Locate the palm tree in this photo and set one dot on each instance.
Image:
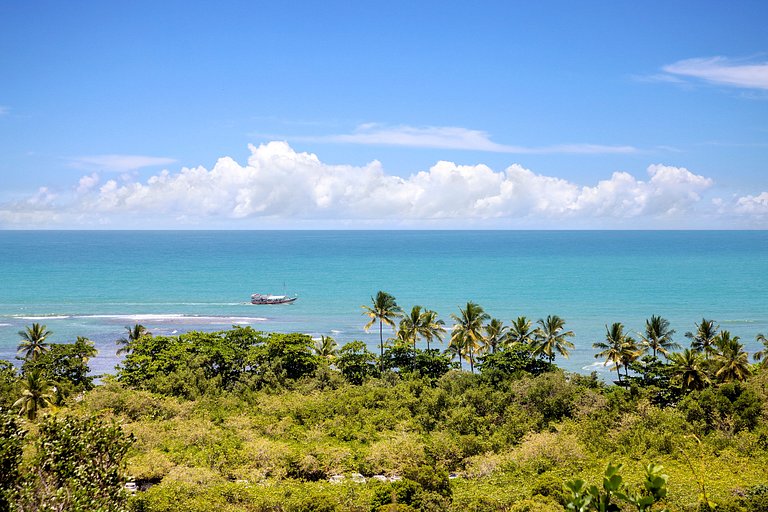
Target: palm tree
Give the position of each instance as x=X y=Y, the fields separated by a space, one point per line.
x=457 y=349
x=688 y=369
x=658 y=336
x=550 y=337
x=495 y=334
x=521 y=331
x=630 y=351
x=134 y=333
x=383 y=309
x=613 y=349
x=411 y=327
x=33 y=343
x=326 y=347
x=761 y=355
x=704 y=338
x=432 y=327
x=732 y=361
x=468 y=330
x=35 y=395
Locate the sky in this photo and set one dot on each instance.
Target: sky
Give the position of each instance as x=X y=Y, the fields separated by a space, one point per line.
x=383 y=115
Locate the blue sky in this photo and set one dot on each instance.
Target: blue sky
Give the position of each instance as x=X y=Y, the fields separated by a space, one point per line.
x=383 y=114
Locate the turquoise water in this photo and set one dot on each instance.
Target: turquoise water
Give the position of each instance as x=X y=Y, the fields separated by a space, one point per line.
x=94 y=283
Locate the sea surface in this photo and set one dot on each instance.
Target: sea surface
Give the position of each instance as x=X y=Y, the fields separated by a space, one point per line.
x=95 y=283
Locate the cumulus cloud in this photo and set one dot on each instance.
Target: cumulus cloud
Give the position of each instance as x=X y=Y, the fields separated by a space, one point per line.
x=450 y=137
x=119 y=163
x=278 y=186
x=755 y=205
x=724 y=71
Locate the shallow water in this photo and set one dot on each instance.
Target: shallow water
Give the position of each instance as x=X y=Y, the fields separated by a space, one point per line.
x=94 y=283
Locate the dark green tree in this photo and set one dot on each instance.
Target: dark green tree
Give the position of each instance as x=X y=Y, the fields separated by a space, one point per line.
x=11 y=450
x=703 y=338
x=66 y=364
x=35 y=395
x=134 y=333
x=688 y=370
x=356 y=363
x=658 y=336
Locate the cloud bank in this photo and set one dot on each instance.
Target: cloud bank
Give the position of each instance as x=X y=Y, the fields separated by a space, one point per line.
x=279 y=187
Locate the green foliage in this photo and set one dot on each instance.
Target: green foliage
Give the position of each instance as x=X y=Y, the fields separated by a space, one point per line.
x=78 y=467
x=66 y=364
x=511 y=360
x=8 y=383
x=584 y=498
x=356 y=362
x=11 y=450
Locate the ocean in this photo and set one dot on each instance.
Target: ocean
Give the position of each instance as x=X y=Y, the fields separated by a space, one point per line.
x=95 y=283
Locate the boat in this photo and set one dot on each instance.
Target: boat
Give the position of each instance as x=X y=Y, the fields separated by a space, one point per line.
x=261 y=298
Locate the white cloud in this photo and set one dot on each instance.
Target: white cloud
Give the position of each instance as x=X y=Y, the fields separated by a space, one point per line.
x=279 y=187
x=755 y=205
x=721 y=70
x=118 y=163
x=448 y=137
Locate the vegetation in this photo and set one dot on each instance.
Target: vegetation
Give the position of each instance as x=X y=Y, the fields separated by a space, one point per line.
x=242 y=420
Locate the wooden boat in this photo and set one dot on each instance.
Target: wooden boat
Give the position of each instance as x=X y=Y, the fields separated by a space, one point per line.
x=260 y=298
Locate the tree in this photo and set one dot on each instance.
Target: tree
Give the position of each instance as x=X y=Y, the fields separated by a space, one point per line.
x=614 y=348
x=66 y=364
x=687 y=369
x=761 y=355
x=521 y=331
x=468 y=330
x=432 y=327
x=134 y=333
x=356 y=363
x=11 y=451
x=78 y=467
x=384 y=310
x=703 y=339
x=411 y=327
x=33 y=341
x=326 y=347
x=731 y=359
x=551 y=338
x=35 y=395
x=658 y=336
x=495 y=334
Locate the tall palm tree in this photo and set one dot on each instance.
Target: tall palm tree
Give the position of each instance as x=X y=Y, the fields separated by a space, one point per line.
x=432 y=327
x=411 y=326
x=383 y=309
x=326 y=347
x=703 y=339
x=761 y=355
x=468 y=330
x=688 y=369
x=731 y=359
x=521 y=331
x=658 y=336
x=134 y=333
x=495 y=334
x=35 y=395
x=33 y=342
x=630 y=352
x=613 y=348
x=457 y=348
x=551 y=338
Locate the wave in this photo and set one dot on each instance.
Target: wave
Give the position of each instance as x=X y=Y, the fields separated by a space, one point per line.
x=179 y=317
x=41 y=317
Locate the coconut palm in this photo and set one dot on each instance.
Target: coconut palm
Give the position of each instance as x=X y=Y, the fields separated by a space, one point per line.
x=411 y=326
x=33 y=342
x=551 y=337
x=36 y=395
x=687 y=368
x=495 y=335
x=326 y=347
x=613 y=349
x=457 y=348
x=703 y=339
x=658 y=336
x=134 y=333
x=468 y=330
x=731 y=359
x=432 y=327
x=521 y=331
x=630 y=352
x=384 y=310
x=761 y=355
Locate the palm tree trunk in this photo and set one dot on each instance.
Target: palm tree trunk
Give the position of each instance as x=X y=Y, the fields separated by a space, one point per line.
x=471 y=361
x=381 y=345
